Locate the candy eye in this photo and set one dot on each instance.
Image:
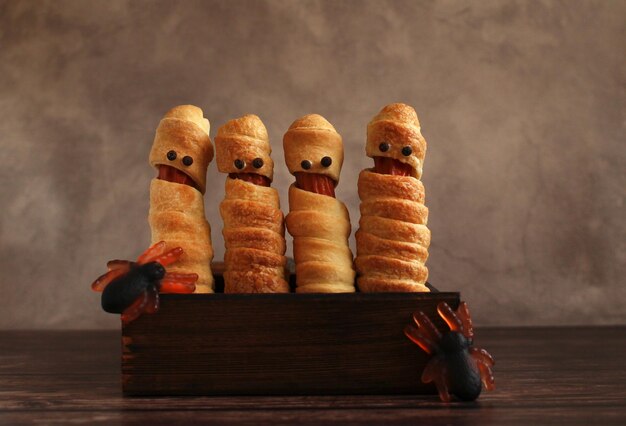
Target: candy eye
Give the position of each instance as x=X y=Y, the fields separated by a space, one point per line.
x=257 y=163
x=171 y=155
x=306 y=164
x=384 y=147
x=240 y=164
x=406 y=151
x=187 y=160
x=327 y=161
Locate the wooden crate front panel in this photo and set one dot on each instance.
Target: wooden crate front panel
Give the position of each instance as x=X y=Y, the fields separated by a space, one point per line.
x=278 y=344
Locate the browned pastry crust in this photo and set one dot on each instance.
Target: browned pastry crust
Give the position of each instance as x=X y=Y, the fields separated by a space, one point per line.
x=253 y=222
x=242 y=257
x=320 y=226
x=319 y=249
x=177 y=217
x=395 y=230
x=253 y=281
x=397 y=125
x=376 y=186
x=388 y=285
x=184 y=130
x=393 y=208
x=318 y=222
x=393 y=240
x=251 y=214
x=177 y=210
x=254 y=236
x=370 y=244
x=388 y=267
x=312 y=138
x=244 y=139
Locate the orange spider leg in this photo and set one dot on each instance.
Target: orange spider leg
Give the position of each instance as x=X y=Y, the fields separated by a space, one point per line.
x=117 y=264
x=482 y=355
x=152 y=253
x=426 y=326
x=105 y=279
x=137 y=308
x=416 y=336
x=466 y=320
x=486 y=375
x=152 y=305
x=170 y=257
x=484 y=361
x=436 y=372
x=180 y=277
x=448 y=315
x=178 y=283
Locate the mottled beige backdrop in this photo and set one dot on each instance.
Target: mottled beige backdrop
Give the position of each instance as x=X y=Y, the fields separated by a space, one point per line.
x=522 y=104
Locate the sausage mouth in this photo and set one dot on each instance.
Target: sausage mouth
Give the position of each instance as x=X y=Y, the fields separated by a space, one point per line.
x=391 y=166
x=252 y=178
x=315 y=182
x=172 y=174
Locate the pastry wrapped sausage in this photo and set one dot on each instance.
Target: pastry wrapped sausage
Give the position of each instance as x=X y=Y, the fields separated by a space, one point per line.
x=181 y=152
x=253 y=222
x=393 y=240
x=318 y=222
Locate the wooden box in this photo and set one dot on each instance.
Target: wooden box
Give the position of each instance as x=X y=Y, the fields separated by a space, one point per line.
x=279 y=344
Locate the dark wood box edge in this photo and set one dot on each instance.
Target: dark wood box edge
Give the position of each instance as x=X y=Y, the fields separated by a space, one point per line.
x=278 y=344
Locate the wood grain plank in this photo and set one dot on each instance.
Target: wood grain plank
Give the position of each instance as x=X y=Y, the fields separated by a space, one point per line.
x=571 y=376
x=279 y=344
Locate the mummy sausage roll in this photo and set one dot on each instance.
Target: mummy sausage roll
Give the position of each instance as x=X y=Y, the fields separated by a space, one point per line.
x=181 y=152
x=253 y=222
x=392 y=240
x=318 y=222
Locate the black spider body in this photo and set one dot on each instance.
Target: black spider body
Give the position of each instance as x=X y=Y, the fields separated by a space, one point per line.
x=456 y=367
x=123 y=291
x=463 y=377
x=132 y=288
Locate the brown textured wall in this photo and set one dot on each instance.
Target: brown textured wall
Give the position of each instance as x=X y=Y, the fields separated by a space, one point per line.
x=522 y=104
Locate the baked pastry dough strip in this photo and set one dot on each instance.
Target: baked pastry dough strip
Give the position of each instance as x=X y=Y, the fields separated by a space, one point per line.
x=320 y=226
x=254 y=230
x=393 y=239
x=177 y=217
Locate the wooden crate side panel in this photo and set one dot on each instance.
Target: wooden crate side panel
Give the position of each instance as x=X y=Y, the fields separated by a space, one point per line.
x=278 y=344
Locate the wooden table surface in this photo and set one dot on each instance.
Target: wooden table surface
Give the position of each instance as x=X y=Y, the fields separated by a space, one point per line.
x=543 y=376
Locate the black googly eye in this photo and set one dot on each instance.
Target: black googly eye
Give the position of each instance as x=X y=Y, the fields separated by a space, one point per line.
x=187 y=160
x=306 y=164
x=240 y=164
x=171 y=155
x=257 y=163
x=406 y=151
x=327 y=161
x=384 y=147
